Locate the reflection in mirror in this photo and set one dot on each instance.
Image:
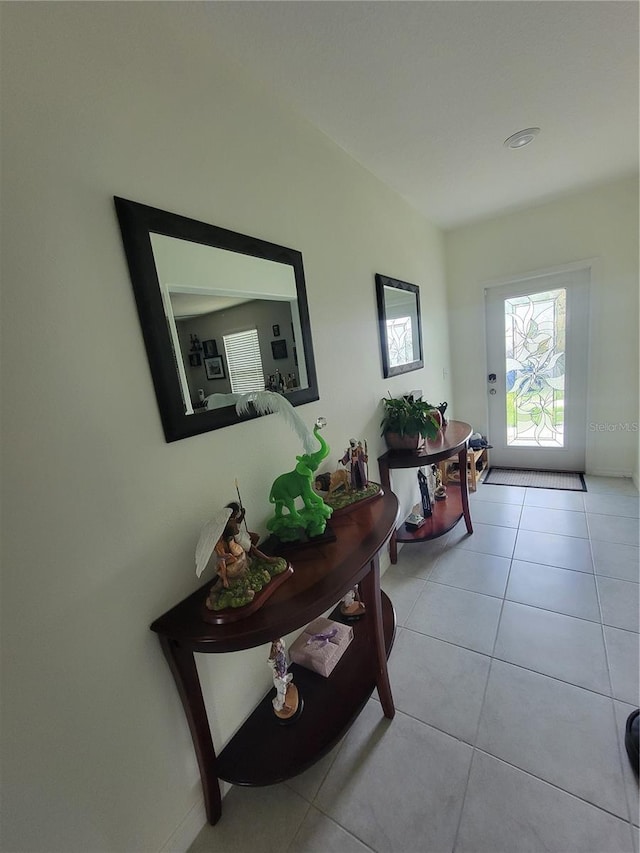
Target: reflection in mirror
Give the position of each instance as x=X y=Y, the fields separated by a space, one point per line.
x=221 y=313
x=400 y=325
x=221 y=309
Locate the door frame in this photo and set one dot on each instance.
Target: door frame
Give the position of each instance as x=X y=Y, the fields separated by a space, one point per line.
x=594 y=267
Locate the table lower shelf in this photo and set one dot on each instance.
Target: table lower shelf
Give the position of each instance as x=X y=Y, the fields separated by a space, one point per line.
x=477 y=464
x=446 y=514
x=264 y=752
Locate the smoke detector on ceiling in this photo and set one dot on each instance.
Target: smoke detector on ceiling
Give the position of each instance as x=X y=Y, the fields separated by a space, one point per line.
x=522 y=137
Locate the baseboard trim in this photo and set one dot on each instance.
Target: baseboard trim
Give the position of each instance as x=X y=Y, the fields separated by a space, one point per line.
x=609 y=472
x=187 y=831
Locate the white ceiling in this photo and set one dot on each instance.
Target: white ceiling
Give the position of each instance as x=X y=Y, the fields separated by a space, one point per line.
x=423 y=94
x=188 y=305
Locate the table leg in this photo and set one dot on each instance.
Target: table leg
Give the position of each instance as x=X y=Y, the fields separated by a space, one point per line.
x=464 y=488
x=183 y=668
x=472 y=471
x=371 y=594
x=385 y=482
x=393 y=549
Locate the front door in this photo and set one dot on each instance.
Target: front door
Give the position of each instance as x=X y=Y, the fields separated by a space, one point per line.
x=537 y=350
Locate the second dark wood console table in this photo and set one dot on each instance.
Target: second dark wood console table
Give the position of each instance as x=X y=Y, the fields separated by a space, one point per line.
x=453 y=439
x=263 y=752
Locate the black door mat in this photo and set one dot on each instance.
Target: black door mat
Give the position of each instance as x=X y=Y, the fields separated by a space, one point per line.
x=567 y=480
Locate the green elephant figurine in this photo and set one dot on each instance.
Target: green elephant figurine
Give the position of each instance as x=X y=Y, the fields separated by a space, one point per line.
x=286 y=488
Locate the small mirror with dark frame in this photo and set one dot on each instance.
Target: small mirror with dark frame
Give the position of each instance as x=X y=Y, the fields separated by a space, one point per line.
x=208 y=300
x=400 y=325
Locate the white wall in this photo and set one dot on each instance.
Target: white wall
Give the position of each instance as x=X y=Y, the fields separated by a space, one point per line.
x=600 y=223
x=100 y=515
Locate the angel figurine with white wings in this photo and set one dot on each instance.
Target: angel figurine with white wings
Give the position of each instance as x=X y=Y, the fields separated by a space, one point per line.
x=242 y=569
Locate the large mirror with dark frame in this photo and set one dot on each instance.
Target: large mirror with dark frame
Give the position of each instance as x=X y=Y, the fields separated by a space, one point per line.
x=400 y=325
x=221 y=313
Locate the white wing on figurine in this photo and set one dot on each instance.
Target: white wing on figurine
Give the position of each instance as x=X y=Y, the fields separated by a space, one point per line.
x=267 y=402
x=210 y=534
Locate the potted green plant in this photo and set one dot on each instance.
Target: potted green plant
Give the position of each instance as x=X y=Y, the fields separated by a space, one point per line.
x=408 y=422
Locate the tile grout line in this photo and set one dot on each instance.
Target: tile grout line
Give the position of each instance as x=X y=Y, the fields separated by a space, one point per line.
x=302 y=820
x=349 y=832
x=477 y=749
x=447 y=642
x=523 y=604
x=594 y=573
x=482 y=704
x=528 y=668
x=572 y=615
x=561 y=680
x=612 y=700
x=464 y=796
x=610 y=697
x=553 y=785
x=492 y=657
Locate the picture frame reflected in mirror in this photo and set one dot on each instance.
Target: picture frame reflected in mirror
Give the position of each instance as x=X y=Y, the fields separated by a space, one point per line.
x=214 y=367
x=279 y=349
x=209 y=348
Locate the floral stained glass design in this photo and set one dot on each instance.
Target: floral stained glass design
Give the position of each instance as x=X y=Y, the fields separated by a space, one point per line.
x=400 y=341
x=535 y=368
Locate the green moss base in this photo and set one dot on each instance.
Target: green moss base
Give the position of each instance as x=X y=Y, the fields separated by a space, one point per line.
x=340 y=500
x=242 y=590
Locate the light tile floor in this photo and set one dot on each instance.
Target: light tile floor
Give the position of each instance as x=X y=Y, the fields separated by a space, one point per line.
x=514 y=670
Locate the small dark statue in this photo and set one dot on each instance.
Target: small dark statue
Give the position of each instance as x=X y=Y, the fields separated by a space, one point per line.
x=355 y=459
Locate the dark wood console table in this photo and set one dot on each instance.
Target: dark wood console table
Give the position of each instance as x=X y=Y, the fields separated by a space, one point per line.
x=263 y=752
x=453 y=439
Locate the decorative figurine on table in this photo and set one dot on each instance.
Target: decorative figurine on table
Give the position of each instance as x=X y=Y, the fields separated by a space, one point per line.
x=349 y=485
x=287 y=704
x=311 y=519
x=356 y=458
x=440 y=491
x=332 y=481
x=442 y=408
x=425 y=497
x=246 y=576
x=352 y=606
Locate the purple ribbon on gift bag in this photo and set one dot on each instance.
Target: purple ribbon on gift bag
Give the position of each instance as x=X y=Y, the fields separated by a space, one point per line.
x=323 y=637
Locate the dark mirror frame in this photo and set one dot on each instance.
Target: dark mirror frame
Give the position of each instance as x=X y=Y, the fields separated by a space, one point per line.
x=383 y=281
x=137 y=221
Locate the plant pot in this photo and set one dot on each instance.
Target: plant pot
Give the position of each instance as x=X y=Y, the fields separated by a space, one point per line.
x=437 y=414
x=395 y=441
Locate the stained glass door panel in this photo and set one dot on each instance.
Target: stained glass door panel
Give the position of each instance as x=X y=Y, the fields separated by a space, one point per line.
x=537 y=346
x=535 y=331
